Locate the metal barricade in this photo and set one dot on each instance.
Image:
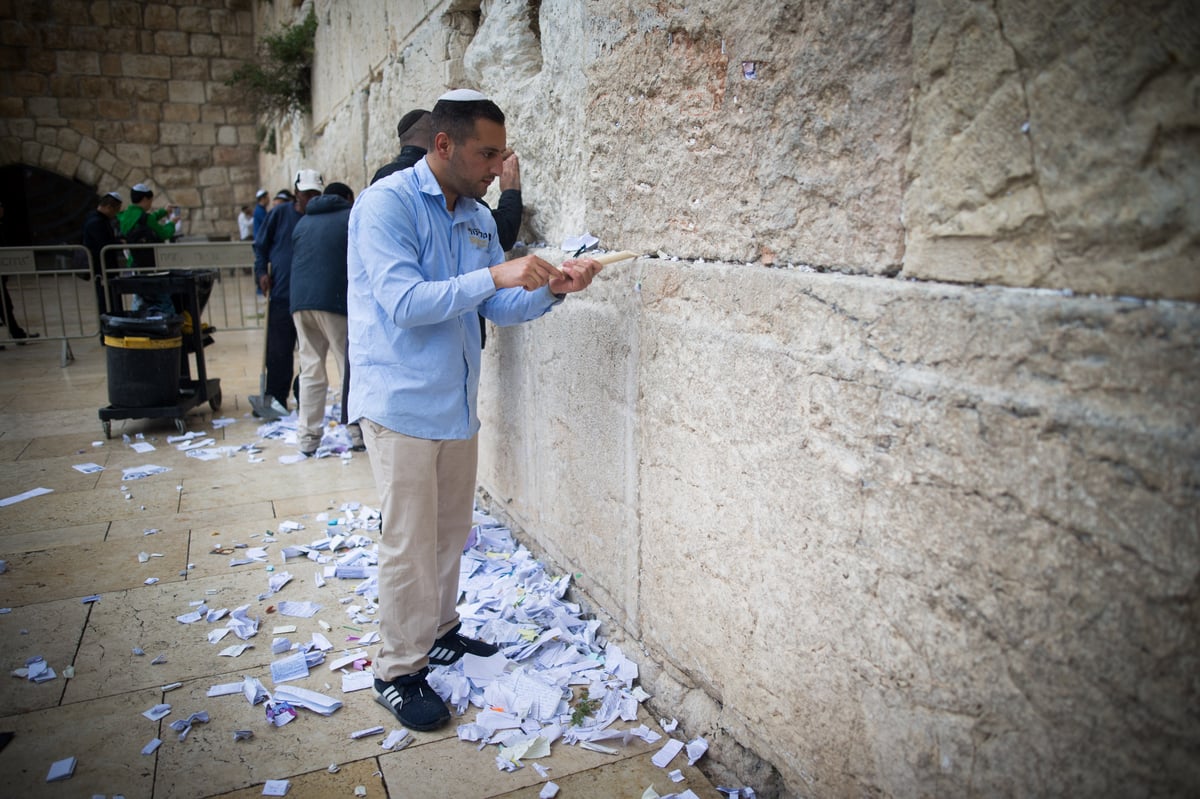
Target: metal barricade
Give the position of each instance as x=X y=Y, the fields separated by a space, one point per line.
x=233 y=303
x=51 y=295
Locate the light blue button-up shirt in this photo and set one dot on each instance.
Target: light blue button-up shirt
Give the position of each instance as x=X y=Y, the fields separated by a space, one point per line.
x=417 y=276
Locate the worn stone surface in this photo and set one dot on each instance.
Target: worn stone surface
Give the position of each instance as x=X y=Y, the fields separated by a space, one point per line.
x=883 y=537
x=1055 y=145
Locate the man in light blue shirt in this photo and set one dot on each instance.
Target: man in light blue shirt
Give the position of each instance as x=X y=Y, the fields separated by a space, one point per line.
x=423 y=260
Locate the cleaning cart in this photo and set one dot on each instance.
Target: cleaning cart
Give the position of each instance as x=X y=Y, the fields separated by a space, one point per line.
x=150 y=358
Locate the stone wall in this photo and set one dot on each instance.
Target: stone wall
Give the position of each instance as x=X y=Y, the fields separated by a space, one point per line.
x=914 y=511
x=116 y=93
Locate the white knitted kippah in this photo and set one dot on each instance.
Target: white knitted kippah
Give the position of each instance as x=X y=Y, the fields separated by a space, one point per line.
x=462 y=96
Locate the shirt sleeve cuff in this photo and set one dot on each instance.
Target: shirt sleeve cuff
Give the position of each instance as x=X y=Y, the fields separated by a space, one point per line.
x=479 y=284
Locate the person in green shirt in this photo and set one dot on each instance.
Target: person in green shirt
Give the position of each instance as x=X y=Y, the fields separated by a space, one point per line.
x=139 y=225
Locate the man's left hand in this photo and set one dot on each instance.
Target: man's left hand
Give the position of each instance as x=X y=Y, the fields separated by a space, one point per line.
x=577 y=275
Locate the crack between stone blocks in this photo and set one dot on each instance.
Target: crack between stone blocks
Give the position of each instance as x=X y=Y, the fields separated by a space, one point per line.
x=1027 y=131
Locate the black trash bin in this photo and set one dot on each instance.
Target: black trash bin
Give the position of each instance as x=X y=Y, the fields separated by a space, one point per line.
x=143 y=360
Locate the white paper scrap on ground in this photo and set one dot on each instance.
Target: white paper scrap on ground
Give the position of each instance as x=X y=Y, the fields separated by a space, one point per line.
x=396 y=739
x=142 y=472
x=30 y=494
x=242 y=625
x=292 y=667
x=303 y=697
x=152 y=747
x=88 y=468
x=675 y=776
x=142 y=447
x=303 y=610
x=195 y=443
x=664 y=756
x=357 y=681
x=368 y=731
x=481 y=669
x=254 y=691
x=224 y=689
x=696 y=749
x=157 y=712
x=549 y=791
x=276 y=787
x=61 y=770
x=214 y=636
x=235 y=651
x=347 y=659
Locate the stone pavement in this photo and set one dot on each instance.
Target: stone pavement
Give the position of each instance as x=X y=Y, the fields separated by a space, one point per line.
x=84 y=539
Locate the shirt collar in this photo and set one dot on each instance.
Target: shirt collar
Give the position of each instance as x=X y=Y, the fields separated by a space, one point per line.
x=428 y=184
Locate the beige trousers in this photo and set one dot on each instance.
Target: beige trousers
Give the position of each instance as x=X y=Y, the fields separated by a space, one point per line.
x=427 y=489
x=319 y=333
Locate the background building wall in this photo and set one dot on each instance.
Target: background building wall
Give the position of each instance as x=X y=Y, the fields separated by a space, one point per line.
x=115 y=93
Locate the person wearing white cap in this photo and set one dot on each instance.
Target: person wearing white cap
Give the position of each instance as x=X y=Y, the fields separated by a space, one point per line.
x=137 y=224
x=423 y=259
x=260 y=209
x=272 y=269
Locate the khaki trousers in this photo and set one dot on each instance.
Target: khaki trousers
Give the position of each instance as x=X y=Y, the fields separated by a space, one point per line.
x=319 y=333
x=427 y=489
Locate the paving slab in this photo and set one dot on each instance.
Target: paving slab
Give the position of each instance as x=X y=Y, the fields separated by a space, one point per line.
x=73 y=508
x=31 y=540
x=51 y=630
x=56 y=473
x=105 y=736
x=308 y=743
x=627 y=777
x=12 y=446
x=423 y=771
x=81 y=570
x=201 y=521
x=321 y=784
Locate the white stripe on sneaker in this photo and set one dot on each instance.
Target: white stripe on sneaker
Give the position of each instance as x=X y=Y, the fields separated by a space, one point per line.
x=440 y=653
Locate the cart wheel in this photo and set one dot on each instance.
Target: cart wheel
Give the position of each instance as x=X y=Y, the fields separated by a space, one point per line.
x=180 y=427
x=107 y=425
x=214 y=402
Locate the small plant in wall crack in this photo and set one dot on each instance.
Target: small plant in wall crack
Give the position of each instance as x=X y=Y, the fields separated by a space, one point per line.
x=279 y=80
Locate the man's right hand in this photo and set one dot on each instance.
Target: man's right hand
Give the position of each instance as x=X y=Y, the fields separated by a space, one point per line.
x=528 y=272
x=264 y=283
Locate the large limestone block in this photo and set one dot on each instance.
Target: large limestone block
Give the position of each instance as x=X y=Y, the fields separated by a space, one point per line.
x=891 y=534
x=774 y=136
x=1055 y=145
x=558 y=437
x=948 y=534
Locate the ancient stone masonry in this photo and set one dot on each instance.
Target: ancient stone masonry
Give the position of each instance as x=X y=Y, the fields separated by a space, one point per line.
x=115 y=93
x=914 y=516
x=918 y=515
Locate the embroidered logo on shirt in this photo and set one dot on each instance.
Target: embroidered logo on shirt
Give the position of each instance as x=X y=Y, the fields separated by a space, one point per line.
x=479 y=238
